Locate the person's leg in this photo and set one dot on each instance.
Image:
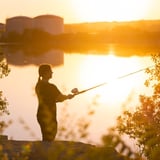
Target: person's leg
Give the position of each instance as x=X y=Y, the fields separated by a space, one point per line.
x=48 y=129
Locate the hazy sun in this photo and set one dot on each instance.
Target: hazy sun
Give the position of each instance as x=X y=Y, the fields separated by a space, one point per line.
x=110 y=10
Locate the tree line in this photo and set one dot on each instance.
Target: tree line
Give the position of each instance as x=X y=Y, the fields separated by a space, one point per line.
x=119 y=34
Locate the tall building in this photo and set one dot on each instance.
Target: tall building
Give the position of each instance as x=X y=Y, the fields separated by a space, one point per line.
x=18 y=24
x=49 y=23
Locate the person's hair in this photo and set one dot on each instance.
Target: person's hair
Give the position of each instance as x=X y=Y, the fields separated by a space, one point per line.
x=43 y=69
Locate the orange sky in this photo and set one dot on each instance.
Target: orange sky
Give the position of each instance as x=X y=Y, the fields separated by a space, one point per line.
x=75 y=11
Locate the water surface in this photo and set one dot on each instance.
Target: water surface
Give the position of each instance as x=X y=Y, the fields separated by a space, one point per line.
x=74 y=69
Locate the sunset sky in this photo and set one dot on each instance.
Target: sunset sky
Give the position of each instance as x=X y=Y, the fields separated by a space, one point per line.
x=76 y=11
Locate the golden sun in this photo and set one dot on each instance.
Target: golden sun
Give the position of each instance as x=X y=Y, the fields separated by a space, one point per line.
x=110 y=10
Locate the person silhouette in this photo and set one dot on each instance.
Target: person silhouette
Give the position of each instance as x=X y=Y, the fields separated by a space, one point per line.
x=48 y=95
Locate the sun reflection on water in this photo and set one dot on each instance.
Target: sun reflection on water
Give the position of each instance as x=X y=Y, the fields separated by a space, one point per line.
x=107 y=69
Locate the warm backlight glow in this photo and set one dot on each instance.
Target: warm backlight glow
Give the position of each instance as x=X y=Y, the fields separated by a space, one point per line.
x=111 y=10
x=108 y=69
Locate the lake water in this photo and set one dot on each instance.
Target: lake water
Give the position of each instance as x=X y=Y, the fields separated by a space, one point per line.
x=80 y=70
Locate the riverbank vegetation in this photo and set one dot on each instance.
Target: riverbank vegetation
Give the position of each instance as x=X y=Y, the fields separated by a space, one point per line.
x=143 y=124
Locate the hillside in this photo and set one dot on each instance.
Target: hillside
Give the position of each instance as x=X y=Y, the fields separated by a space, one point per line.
x=146 y=25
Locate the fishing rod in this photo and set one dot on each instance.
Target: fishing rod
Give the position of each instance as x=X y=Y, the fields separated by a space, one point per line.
x=76 y=92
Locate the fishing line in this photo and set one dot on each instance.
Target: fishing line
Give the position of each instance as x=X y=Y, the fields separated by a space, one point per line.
x=76 y=92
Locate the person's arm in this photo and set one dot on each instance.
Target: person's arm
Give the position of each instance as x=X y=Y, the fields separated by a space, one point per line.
x=59 y=96
x=62 y=97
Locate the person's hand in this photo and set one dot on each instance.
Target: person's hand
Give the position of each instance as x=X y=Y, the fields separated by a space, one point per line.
x=75 y=91
x=70 y=96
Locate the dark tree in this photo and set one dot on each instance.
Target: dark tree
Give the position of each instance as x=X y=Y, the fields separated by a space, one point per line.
x=4 y=71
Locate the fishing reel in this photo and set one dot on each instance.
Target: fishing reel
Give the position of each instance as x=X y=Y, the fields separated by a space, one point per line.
x=75 y=91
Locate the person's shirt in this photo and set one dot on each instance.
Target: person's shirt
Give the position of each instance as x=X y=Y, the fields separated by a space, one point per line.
x=47 y=93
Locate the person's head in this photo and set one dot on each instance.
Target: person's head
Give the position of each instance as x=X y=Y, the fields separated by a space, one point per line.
x=45 y=71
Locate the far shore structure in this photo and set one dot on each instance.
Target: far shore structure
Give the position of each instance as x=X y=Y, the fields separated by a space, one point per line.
x=55 y=25
x=49 y=23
